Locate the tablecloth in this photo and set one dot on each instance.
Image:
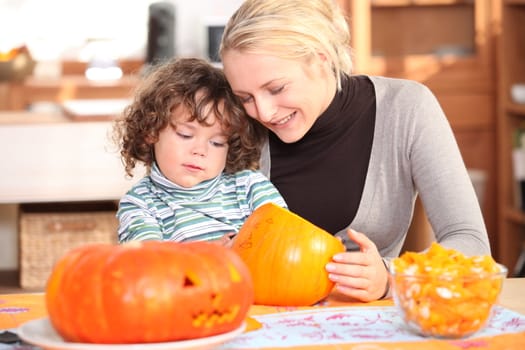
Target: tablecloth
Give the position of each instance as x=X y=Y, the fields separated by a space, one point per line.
x=333 y=324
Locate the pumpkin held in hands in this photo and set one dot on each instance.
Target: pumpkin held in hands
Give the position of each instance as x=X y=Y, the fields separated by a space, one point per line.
x=143 y=292
x=286 y=256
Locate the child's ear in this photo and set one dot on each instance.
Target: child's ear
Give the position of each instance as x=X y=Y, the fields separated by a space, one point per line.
x=151 y=139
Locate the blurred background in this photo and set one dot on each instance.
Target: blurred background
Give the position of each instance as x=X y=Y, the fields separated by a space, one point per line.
x=67 y=68
x=78 y=30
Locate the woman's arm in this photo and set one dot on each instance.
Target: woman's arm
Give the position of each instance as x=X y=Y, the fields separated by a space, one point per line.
x=443 y=183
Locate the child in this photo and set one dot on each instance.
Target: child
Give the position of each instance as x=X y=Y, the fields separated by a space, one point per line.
x=201 y=153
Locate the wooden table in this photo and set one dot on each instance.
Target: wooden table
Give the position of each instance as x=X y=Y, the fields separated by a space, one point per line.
x=16 y=309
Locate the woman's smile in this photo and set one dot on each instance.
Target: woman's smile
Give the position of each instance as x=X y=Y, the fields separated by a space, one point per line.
x=284 y=120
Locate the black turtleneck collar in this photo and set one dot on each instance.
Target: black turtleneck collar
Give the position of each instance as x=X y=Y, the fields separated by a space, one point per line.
x=322 y=175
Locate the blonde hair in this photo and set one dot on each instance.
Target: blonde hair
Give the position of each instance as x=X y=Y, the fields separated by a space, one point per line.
x=292 y=29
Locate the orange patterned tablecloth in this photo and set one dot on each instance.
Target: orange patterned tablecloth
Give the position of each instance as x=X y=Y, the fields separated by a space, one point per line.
x=15 y=309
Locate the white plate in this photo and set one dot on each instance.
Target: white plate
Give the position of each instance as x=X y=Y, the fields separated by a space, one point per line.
x=40 y=332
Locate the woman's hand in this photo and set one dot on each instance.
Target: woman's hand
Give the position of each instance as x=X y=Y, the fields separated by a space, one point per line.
x=361 y=275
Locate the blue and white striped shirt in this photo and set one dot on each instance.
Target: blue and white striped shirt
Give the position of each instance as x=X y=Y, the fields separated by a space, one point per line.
x=157 y=209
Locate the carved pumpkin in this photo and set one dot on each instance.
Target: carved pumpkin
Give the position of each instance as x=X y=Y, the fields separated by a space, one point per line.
x=144 y=292
x=286 y=256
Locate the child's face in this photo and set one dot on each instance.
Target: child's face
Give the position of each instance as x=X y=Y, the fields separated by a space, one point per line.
x=188 y=153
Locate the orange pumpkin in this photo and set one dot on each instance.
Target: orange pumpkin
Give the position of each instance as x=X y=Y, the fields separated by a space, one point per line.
x=286 y=256
x=144 y=292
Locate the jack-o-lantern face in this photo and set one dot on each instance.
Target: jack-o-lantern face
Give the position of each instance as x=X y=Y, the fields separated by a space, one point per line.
x=148 y=292
x=286 y=256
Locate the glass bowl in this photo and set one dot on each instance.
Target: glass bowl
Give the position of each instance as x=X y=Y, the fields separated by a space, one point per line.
x=446 y=305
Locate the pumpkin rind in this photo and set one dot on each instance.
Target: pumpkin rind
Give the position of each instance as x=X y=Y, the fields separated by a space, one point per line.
x=286 y=256
x=146 y=292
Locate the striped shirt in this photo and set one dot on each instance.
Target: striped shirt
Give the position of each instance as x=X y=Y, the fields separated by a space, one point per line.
x=157 y=209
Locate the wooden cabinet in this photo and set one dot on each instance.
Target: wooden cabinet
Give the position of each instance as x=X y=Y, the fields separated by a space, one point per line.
x=50 y=158
x=511 y=70
x=447 y=45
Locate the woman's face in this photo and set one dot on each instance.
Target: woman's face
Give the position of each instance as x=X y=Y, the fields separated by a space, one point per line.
x=287 y=96
x=188 y=153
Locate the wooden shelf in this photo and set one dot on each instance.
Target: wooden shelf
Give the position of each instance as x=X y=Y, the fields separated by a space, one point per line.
x=399 y=39
x=69 y=87
x=515 y=108
x=511 y=70
x=411 y=30
x=128 y=66
x=514 y=2
x=514 y=215
x=448 y=73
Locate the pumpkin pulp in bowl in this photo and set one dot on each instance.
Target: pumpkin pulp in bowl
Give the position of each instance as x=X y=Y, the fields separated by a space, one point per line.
x=444 y=294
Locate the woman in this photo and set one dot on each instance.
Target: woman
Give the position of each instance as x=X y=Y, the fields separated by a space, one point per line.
x=349 y=153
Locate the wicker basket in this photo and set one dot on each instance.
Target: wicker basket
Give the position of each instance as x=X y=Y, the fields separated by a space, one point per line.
x=47 y=232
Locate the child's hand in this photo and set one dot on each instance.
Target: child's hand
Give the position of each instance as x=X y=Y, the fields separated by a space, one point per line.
x=227 y=239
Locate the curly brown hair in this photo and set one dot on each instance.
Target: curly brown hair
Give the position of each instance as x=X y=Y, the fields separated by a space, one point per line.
x=197 y=85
